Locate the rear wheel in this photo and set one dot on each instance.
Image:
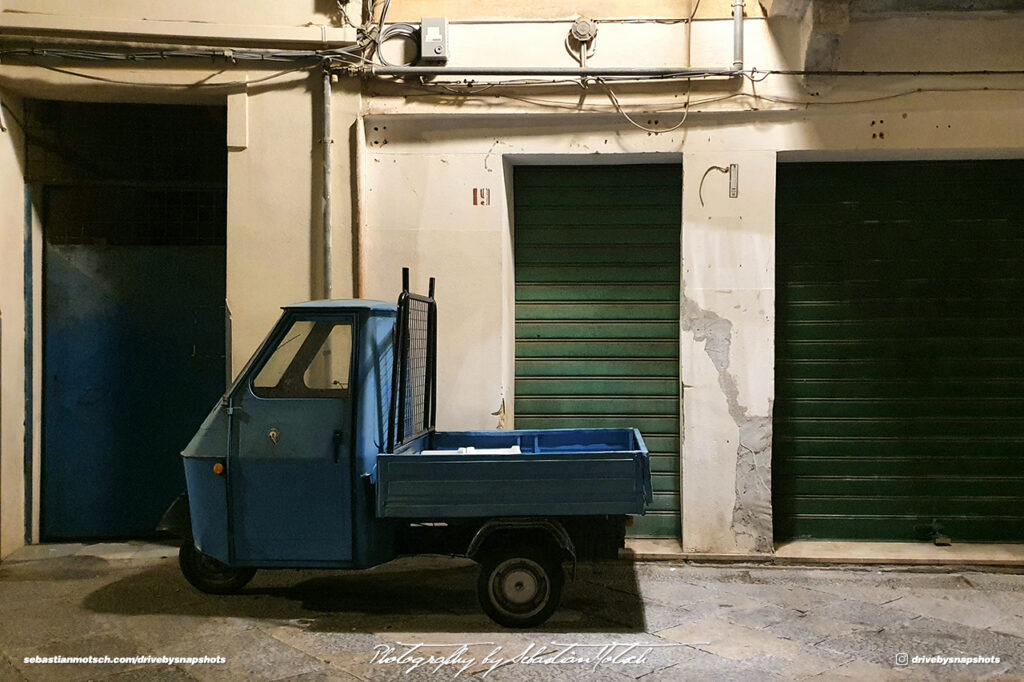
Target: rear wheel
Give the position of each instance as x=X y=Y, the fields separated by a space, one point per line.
x=208 y=575
x=520 y=588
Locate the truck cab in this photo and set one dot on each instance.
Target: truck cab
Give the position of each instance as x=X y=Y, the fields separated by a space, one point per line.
x=293 y=441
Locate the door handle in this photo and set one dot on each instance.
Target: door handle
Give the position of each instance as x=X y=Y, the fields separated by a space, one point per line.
x=337 y=445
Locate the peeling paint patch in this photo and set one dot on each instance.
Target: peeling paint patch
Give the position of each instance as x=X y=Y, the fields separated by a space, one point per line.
x=752 y=514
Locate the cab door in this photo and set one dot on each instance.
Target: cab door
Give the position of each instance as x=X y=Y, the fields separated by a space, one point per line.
x=290 y=455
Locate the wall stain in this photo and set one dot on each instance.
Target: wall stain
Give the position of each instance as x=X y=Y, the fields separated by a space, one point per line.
x=751 y=514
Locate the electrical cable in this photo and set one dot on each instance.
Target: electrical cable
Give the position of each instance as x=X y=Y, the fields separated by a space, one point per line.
x=450 y=86
x=346 y=56
x=401 y=30
x=407 y=31
x=700 y=187
x=581 y=56
x=345 y=21
x=311 y=59
x=573 y=108
x=653 y=131
x=197 y=84
x=694 y=12
x=880 y=98
x=385 y=6
x=482 y=88
x=754 y=75
x=882 y=72
x=229 y=54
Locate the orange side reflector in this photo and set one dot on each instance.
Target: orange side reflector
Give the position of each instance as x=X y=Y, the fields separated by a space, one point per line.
x=629 y=522
x=218 y=468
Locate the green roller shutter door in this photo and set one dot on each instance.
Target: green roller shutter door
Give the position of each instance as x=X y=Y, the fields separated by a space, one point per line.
x=597 y=310
x=899 y=407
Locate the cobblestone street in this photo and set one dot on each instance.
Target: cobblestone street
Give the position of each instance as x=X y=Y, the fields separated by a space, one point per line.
x=689 y=621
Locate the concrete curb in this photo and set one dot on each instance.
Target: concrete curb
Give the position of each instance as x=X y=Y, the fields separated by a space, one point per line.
x=819 y=553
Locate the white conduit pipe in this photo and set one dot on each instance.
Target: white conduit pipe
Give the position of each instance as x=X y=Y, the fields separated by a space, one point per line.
x=737 y=36
x=326 y=145
x=359 y=146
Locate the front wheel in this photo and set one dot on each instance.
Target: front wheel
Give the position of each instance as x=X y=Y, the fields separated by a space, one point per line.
x=208 y=575
x=520 y=588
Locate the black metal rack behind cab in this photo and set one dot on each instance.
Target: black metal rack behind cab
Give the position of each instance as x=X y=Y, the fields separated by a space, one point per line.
x=414 y=375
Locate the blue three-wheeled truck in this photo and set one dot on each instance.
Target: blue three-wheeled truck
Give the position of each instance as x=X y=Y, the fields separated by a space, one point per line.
x=323 y=454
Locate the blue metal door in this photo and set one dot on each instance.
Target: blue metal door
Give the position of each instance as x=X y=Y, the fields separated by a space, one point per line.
x=290 y=467
x=133 y=359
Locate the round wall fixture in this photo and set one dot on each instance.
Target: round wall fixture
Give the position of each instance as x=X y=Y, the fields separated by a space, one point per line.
x=584 y=30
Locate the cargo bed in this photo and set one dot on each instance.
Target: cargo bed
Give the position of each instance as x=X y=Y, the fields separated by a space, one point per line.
x=557 y=472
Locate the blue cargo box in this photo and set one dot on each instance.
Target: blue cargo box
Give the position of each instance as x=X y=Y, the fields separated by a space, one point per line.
x=557 y=472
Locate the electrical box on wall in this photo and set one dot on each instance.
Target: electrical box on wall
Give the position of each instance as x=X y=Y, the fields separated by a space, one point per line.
x=434 y=40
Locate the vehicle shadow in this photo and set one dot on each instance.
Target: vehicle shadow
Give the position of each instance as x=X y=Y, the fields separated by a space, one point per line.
x=417 y=594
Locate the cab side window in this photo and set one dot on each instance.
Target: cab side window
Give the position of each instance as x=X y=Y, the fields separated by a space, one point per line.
x=312 y=360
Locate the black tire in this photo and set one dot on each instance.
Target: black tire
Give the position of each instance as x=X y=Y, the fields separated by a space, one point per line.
x=520 y=588
x=206 y=574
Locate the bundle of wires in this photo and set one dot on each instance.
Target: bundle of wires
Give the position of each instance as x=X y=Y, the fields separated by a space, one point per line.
x=402 y=30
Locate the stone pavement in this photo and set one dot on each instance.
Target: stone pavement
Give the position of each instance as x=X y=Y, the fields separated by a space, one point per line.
x=692 y=622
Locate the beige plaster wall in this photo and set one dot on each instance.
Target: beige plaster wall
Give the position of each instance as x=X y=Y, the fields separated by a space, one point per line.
x=425 y=150
x=273 y=211
x=12 y=332
x=275 y=205
x=726 y=356
x=421 y=214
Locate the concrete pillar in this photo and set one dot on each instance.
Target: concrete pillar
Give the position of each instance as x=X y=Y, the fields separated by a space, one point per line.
x=726 y=349
x=12 y=329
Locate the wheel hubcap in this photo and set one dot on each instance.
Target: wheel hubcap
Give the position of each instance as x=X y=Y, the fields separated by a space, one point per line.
x=519 y=587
